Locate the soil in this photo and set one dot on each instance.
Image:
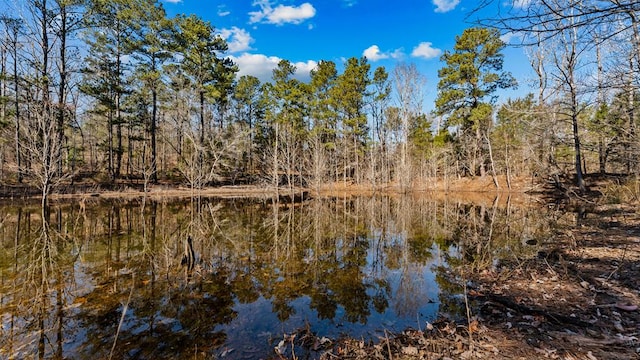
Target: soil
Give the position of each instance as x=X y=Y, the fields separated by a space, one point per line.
x=577 y=299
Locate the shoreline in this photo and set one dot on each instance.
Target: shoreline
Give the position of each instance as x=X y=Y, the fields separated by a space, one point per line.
x=477 y=185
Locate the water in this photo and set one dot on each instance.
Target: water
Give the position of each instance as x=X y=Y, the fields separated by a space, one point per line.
x=99 y=273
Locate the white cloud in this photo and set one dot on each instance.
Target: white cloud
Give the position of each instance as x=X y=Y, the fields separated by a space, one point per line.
x=373 y=53
x=237 y=39
x=173 y=1
x=223 y=11
x=261 y=66
x=397 y=54
x=506 y=38
x=443 y=6
x=426 y=50
x=303 y=69
x=281 y=14
x=520 y=4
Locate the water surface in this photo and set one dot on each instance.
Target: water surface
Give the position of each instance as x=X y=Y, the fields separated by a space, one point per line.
x=100 y=278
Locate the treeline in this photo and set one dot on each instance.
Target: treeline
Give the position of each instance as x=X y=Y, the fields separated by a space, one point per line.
x=117 y=91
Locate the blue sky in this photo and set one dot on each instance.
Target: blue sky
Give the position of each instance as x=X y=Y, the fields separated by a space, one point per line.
x=262 y=32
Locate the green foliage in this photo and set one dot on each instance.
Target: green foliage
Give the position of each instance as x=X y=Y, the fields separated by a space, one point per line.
x=480 y=116
x=472 y=74
x=199 y=48
x=515 y=118
x=392 y=115
x=380 y=97
x=323 y=114
x=153 y=44
x=381 y=83
x=286 y=99
x=4 y=101
x=466 y=92
x=246 y=94
x=617 y=115
x=442 y=138
x=420 y=136
x=349 y=96
x=516 y=114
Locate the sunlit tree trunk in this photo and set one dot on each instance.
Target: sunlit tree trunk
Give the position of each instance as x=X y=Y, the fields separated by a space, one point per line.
x=3 y=80
x=629 y=144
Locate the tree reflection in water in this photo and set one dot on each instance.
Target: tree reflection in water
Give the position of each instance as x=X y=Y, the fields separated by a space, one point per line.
x=350 y=266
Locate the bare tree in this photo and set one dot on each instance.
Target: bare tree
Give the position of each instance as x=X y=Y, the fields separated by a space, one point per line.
x=41 y=133
x=409 y=84
x=567 y=61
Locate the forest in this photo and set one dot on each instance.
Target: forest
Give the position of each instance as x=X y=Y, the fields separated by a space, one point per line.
x=115 y=91
x=102 y=96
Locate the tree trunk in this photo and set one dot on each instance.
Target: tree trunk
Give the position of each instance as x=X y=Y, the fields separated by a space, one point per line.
x=631 y=112
x=275 y=158
x=152 y=130
x=201 y=118
x=118 y=93
x=576 y=144
x=600 y=102
x=493 y=168
x=16 y=91
x=62 y=87
x=119 y=147
x=46 y=130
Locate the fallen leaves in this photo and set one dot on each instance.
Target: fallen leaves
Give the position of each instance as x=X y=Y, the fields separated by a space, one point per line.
x=626 y=306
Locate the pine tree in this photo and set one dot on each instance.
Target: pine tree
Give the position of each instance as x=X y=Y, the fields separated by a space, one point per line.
x=466 y=91
x=349 y=99
x=152 y=48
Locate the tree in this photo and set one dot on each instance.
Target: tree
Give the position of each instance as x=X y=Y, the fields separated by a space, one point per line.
x=13 y=28
x=285 y=113
x=199 y=48
x=323 y=121
x=466 y=90
x=409 y=83
x=379 y=103
x=246 y=95
x=41 y=138
x=349 y=99
x=112 y=25
x=210 y=77
x=612 y=124
x=567 y=61
x=420 y=139
x=38 y=130
x=570 y=32
x=515 y=135
x=65 y=25
x=591 y=16
x=152 y=48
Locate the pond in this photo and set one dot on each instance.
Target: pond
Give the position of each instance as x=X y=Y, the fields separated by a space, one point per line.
x=117 y=278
